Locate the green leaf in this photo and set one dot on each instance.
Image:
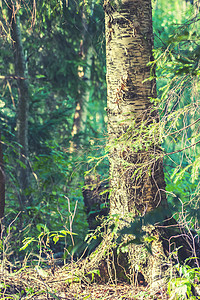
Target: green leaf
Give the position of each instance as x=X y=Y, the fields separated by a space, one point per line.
x=40 y=76
x=27 y=242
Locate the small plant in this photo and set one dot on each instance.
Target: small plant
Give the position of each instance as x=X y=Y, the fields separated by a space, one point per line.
x=44 y=239
x=184 y=286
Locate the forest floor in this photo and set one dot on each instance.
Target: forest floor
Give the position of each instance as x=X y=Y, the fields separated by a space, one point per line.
x=121 y=291
x=35 y=284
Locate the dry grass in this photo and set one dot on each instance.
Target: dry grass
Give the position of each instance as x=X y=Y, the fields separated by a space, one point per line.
x=64 y=283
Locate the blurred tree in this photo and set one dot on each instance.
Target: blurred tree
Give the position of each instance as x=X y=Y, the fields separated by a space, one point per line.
x=87 y=72
x=2 y=184
x=21 y=77
x=84 y=72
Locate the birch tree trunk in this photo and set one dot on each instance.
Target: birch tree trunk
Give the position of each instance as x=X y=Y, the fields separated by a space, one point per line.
x=129 y=43
x=136 y=168
x=137 y=185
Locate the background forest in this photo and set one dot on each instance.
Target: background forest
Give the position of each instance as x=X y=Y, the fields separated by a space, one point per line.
x=64 y=53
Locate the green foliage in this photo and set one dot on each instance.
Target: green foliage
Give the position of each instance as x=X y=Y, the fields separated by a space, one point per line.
x=177 y=56
x=52 y=42
x=183 y=287
x=44 y=239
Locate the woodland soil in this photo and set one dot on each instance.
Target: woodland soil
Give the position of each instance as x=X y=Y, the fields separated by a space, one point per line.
x=120 y=291
x=28 y=284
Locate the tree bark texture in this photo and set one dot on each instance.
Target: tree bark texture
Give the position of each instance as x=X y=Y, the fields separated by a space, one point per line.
x=136 y=168
x=137 y=178
x=23 y=101
x=95 y=200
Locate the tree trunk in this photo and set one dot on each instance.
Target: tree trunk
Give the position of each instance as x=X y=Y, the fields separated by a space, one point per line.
x=80 y=116
x=136 y=173
x=23 y=103
x=96 y=201
x=129 y=42
x=2 y=185
x=136 y=168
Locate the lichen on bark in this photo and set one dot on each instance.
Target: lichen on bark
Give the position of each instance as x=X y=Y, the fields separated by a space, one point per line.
x=129 y=43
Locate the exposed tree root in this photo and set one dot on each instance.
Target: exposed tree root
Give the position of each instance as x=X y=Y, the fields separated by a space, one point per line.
x=149 y=265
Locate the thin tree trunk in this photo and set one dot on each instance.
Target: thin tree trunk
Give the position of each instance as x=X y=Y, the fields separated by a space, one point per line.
x=2 y=185
x=80 y=116
x=23 y=103
x=81 y=111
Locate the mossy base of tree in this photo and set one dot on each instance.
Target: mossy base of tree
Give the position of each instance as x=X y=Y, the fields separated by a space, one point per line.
x=148 y=263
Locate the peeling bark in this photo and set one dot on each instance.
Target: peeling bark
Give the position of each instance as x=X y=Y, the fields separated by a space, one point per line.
x=129 y=43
